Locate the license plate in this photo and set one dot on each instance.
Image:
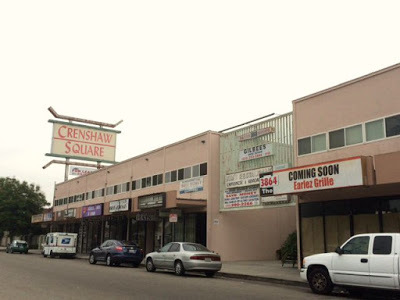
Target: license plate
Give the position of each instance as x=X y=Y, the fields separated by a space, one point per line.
x=208 y=259
x=132 y=251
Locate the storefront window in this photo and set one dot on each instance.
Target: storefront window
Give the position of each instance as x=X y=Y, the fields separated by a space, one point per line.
x=167 y=232
x=365 y=215
x=190 y=228
x=391 y=215
x=312 y=228
x=178 y=230
x=138 y=233
x=337 y=224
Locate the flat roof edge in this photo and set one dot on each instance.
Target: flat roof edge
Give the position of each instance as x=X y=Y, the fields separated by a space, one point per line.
x=335 y=87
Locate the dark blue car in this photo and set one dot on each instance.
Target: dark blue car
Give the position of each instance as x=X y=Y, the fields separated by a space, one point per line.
x=114 y=252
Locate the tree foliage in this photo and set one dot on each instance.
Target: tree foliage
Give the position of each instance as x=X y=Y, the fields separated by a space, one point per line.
x=18 y=202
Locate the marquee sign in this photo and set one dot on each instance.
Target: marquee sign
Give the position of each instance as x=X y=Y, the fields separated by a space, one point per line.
x=83 y=142
x=329 y=175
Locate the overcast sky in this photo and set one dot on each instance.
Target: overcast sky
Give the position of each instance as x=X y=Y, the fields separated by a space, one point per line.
x=173 y=69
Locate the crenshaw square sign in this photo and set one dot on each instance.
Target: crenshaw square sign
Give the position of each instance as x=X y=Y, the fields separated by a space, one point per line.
x=83 y=142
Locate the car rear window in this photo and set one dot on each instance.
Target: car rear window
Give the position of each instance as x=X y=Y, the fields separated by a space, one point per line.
x=194 y=247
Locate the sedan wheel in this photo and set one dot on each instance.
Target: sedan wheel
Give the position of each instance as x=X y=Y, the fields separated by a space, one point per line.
x=179 y=269
x=92 y=260
x=108 y=260
x=150 y=266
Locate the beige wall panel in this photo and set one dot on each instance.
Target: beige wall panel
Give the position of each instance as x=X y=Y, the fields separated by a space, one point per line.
x=251 y=234
x=387 y=167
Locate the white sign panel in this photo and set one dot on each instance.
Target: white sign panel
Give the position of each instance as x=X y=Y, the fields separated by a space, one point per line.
x=173 y=218
x=83 y=142
x=256 y=134
x=191 y=185
x=120 y=205
x=79 y=171
x=244 y=198
x=246 y=178
x=271 y=199
x=255 y=152
x=330 y=175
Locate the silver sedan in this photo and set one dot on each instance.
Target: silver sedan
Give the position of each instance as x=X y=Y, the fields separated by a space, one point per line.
x=182 y=257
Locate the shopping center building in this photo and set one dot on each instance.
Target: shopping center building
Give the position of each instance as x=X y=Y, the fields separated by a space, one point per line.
x=347 y=161
x=247 y=224
x=152 y=199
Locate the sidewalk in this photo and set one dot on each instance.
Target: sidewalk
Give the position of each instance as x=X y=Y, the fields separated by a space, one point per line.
x=266 y=271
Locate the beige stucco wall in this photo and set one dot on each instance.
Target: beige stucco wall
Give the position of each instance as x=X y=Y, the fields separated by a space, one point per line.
x=372 y=97
x=189 y=152
x=252 y=234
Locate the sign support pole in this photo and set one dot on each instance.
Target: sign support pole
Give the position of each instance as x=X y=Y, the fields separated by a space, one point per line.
x=66 y=169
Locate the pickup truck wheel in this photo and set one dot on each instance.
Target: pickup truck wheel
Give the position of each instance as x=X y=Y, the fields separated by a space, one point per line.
x=320 y=282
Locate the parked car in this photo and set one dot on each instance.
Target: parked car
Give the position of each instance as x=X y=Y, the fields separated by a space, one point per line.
x=182 y=257
x=62 y=244
x=114 y=252
x=17 y=246
x=363 y=261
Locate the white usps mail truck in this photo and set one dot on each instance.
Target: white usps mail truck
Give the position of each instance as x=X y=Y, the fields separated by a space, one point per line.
x=62 y=244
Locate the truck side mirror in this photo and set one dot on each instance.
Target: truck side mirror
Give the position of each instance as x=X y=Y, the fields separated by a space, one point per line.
x=339 y=251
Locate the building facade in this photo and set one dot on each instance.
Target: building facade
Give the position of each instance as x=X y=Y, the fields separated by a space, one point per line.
x=152 y=199
x=347 y=161
x=247 y=225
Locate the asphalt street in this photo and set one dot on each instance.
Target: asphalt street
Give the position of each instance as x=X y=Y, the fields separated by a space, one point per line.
x=35 y=277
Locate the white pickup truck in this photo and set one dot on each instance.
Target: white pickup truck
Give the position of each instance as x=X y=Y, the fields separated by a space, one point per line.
x=364 y=260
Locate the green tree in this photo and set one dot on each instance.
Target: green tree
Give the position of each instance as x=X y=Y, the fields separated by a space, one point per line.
x=18 y=202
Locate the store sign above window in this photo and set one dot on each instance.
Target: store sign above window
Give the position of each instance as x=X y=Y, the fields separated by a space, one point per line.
x=152 y=201
x=119 y=205
x=329 y=175
x=191 y=185
x=37 y=218
x=92 y=210
x=256 y=133
x=258 y=151
x=251 y=177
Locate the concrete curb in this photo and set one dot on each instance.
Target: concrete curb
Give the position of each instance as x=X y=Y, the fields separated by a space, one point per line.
x=218 y=275
x=261 y=279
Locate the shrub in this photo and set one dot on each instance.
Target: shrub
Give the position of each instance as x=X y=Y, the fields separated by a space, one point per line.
x=289 y=249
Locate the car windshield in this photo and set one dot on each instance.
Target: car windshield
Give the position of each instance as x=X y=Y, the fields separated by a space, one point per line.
x=126 y=243
x=195 y=247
